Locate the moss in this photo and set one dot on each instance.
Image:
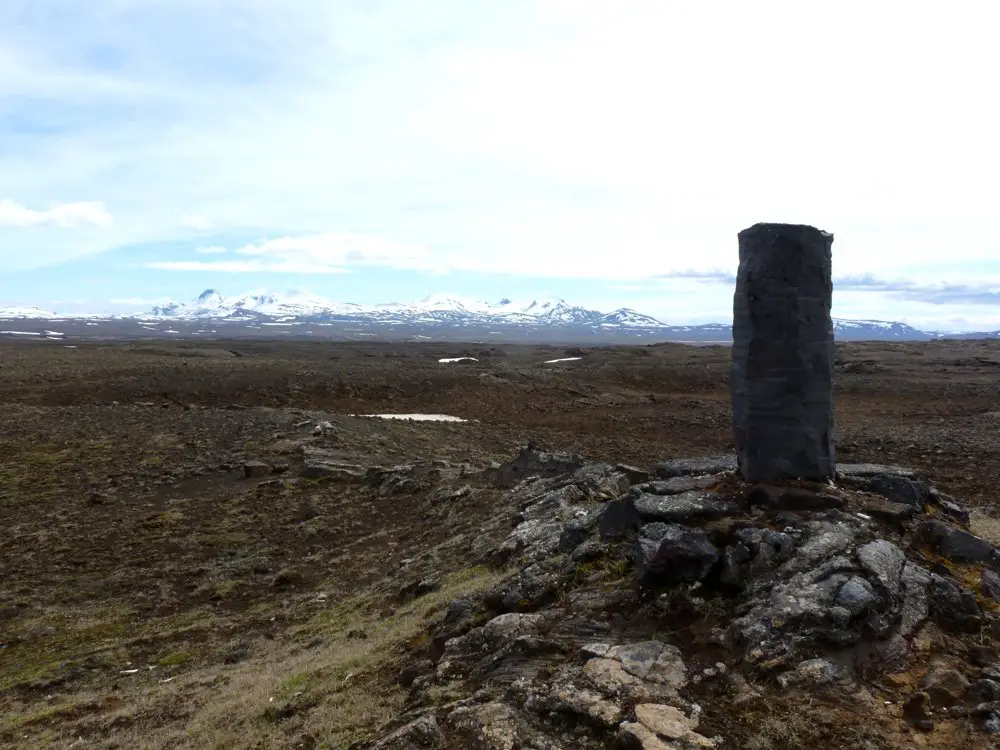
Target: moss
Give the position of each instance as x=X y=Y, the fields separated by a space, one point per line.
x=174 y=659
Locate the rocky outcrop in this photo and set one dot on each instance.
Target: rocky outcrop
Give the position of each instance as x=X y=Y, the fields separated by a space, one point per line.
x=809 y=590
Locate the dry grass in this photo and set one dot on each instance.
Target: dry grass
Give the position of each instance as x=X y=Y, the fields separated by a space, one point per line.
x=314 y=687
x=985 y=526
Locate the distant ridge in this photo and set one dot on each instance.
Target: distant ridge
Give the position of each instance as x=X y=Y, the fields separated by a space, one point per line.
x=447 y=316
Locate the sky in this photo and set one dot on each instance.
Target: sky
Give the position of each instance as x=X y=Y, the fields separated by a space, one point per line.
x=603 y=151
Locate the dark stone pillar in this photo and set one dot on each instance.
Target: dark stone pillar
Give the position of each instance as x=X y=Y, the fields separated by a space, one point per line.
x=783 y=353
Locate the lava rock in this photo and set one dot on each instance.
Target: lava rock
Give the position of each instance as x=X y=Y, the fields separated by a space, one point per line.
x=946 y=687
x=668 y=554
x=332 y=470
x=619 y=518
x=687 y=507
x=886 y=510
x=778 y=499
x=677 y=485
x=953 y=608
x=682 y=467
x=916 y=709
x=533 y=462
x=255 y=469
x=983 y=691
x=954 y=544
x=989 y=582
x=949 y=506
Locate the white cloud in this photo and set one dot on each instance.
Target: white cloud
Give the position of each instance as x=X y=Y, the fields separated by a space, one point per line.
x=570 y=138
x=245 y=266
x=139 y=302
x=64 y=216
x=211 y=250
x=198 y=223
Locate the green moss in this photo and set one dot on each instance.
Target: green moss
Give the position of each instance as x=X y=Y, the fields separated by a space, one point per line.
x=174 y=659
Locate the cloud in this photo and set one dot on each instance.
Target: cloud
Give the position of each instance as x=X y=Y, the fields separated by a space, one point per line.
x=245 y=266
x=438 y=127
x=64 y=216
x=198 y=223
x=329 y=252
x=141 y=302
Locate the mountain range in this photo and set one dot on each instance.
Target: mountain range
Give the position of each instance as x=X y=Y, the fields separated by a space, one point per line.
x=448 y=316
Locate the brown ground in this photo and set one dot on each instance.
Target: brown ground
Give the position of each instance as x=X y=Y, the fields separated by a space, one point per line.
x=267 y=615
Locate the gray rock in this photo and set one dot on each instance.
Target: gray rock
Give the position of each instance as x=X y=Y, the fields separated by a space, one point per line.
x=619 y=519
x=856 y=596
x=653 y=661
x=783 y=354
x=883 y=509
x=983 y=690
x=567 y=698
x=871 y=470
x=954 y=544
x=635 y=475
x=491 y=726
x=896 y=488
x=531 y=462
x=811 y=672
x=991 y=724
x=949 y=506
x=687 y=507
x=422 y=734
x=681 y=467
x=256 y=469
x=777 y=499
x=333 y=470
x=989 y=582
x=669 y=554
x=677 y=485
x=885 y=561
x=946 y=687
x=589 y=551
x=916 y=599
x=670 y=725
x=953 y=608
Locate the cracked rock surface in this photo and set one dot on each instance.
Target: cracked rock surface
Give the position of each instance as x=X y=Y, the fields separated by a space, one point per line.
x=587 y=641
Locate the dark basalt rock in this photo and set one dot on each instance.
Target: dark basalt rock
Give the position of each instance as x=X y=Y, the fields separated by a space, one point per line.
x=668 y=553
x=685 y=467
x=778 y=499
x=687 y=507
x=783 y=354
x=954 y=544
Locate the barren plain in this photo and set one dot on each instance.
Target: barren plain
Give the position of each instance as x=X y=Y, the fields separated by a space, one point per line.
x=173 y=574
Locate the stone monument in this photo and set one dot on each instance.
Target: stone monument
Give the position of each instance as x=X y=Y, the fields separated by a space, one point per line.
x=783 y=354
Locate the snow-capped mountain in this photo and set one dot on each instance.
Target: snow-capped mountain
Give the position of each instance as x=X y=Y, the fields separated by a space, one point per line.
x=438 y=308
x=14 y=313
x=848 y=330
x=439 y=316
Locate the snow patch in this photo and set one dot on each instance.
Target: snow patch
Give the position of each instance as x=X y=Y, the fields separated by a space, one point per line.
x=458 y=359
x=564 y=359
x=21 y=333
x=414 y=417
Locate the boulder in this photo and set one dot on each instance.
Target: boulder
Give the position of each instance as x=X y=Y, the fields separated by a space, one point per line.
x=685 y=508
x=778 y=499
x=682 y=467
x=954 y=544
x=670 y=554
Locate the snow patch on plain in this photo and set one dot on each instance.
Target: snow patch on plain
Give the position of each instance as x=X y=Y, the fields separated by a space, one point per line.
x=564 y=359
x=414 y=417
x=458 y=359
